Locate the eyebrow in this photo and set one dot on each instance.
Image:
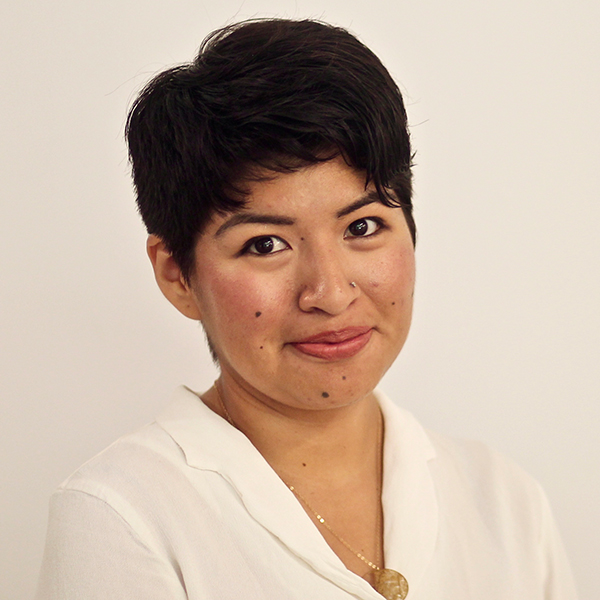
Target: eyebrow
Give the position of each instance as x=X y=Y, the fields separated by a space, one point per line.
x=242 y=218
x=368 y=198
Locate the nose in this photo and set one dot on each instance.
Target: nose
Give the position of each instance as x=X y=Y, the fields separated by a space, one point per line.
x=324 y=282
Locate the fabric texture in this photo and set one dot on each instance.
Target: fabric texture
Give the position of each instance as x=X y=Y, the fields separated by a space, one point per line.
x=187 y=509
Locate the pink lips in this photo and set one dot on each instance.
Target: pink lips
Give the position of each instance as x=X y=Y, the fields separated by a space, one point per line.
x=335 y=345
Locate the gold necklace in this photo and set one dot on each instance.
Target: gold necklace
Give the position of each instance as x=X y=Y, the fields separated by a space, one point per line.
x=389 y=583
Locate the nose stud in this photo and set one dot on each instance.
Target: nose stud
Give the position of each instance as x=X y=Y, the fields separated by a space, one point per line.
x=352 y=284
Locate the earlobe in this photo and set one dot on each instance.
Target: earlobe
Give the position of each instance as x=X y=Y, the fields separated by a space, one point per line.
x=170 y=278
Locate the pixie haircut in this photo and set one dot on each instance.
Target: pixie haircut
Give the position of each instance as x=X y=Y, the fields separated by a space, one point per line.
x=262 y=96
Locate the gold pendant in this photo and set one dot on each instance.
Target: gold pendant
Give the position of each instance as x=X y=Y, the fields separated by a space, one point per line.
x=391 y=584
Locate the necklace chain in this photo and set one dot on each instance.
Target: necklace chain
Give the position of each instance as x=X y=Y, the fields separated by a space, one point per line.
x=328 y=527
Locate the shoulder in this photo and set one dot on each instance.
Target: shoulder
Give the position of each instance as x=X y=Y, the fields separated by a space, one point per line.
x=152 y=476
x=474 y=467
x=494 y=499
x=470 y=478
x=477 y=460
x=130 y=478
x=490 y=494
x=140 y=451
x=142 y=459
x=456 y=463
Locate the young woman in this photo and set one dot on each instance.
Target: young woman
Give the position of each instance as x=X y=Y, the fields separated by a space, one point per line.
x=274 y=176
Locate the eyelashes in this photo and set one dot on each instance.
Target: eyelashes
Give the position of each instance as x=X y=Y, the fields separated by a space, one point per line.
x=363 y=227
x=265 y=245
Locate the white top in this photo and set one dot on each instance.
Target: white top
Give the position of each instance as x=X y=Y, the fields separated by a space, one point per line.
x=187 y=508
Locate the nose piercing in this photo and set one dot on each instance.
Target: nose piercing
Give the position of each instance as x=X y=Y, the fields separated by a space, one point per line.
x=352 y=284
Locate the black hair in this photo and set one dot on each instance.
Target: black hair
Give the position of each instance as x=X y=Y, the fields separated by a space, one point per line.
x=270 y=94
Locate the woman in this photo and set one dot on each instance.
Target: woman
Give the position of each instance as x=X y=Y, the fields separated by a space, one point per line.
x=274 y=176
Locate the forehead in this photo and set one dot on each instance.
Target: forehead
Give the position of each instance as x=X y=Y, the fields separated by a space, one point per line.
x=331 y=188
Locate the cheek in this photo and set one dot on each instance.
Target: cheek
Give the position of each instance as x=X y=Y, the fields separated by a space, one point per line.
x=240 y=307
x=392 y=277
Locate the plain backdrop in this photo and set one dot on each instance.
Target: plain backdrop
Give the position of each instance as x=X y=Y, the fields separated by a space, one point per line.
x=503 y=98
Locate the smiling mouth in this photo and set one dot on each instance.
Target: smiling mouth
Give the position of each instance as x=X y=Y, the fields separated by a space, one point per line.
x=335 y=345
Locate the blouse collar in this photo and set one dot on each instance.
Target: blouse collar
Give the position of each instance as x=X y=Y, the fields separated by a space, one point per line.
x=410 y=509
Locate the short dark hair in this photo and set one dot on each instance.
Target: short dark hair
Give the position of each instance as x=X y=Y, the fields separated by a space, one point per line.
x=270 y=94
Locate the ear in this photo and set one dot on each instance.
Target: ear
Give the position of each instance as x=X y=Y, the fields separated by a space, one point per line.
x=170 y=279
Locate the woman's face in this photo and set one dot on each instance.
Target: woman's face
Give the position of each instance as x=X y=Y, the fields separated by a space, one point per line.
x=306 y=293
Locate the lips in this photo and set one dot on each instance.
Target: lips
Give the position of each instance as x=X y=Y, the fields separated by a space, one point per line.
x=335 y=345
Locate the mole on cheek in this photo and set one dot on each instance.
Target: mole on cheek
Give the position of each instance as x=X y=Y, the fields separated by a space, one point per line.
x=257 y=313
x=393 y=303
x=343 y=377
x=325 y=395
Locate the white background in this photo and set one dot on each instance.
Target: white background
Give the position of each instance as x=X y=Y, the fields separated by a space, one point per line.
x=504 y=100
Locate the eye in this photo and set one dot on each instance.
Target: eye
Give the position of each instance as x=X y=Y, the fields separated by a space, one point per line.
x=363 y=227
x=266 y=244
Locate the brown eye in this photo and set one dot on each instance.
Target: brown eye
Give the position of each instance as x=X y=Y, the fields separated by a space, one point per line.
x=268 y=244
x=264 y=245
x=362 y=228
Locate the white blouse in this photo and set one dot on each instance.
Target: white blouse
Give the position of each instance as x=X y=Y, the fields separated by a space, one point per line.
x=187 y=508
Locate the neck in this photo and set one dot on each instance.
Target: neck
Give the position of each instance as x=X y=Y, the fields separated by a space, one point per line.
x=329 y=446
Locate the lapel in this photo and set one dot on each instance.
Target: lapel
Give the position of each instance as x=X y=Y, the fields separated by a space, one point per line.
x=408 y=496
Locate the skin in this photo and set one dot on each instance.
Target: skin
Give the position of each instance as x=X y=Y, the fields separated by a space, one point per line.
x=313 y=418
